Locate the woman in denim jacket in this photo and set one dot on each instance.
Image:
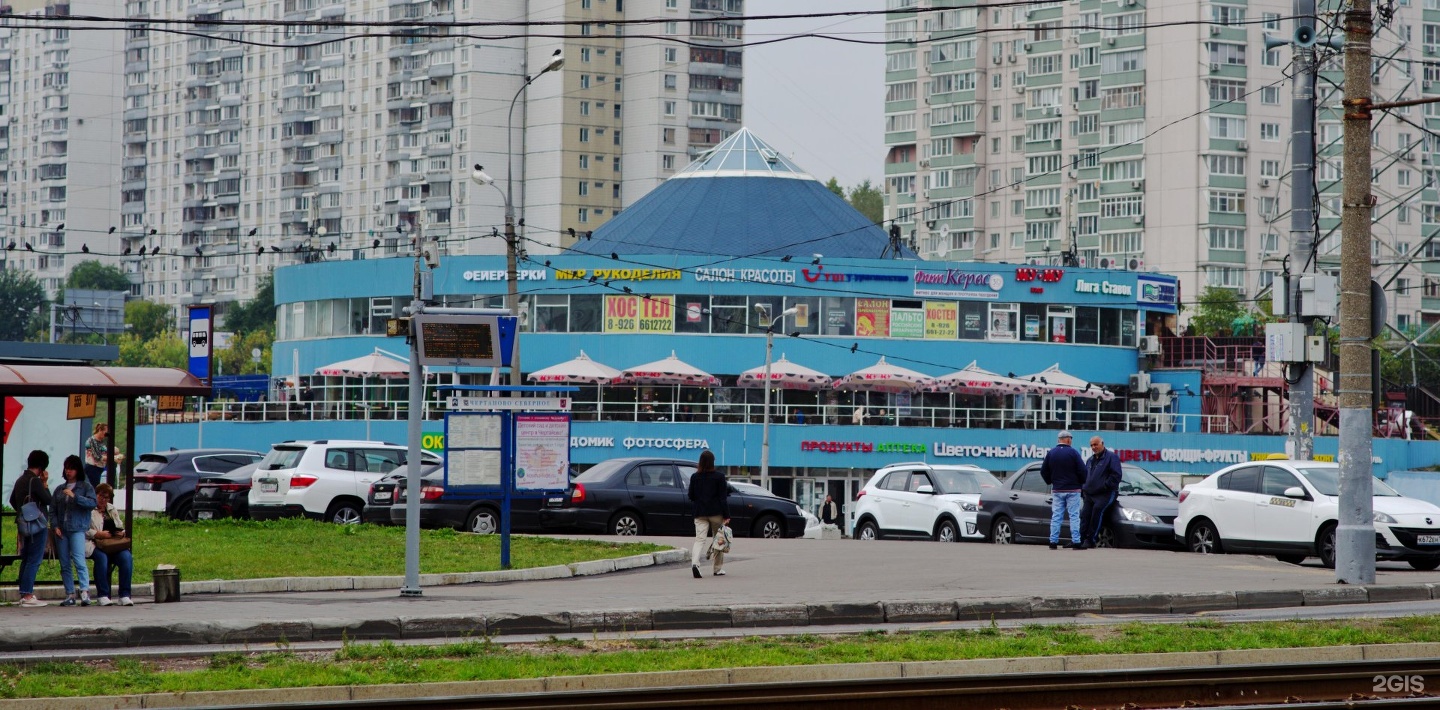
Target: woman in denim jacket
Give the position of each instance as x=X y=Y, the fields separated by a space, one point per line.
x=71 y=505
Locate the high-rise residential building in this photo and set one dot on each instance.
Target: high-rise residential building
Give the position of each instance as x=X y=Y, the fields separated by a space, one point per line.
x=199 y=155
x=1148 y=135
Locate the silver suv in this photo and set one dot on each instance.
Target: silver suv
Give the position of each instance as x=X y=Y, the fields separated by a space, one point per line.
x=935 y=501
x=325 y=479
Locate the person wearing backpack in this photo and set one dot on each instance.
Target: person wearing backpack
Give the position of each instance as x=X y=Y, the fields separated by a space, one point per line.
x=710 y=493
x=31 y=488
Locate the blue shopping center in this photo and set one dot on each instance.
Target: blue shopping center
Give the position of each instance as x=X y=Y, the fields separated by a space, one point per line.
x=700 y=267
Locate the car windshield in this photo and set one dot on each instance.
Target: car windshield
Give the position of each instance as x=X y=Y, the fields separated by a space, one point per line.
x=964 y=481
x=1327 y=482
x=601 y=471
x=281 y=458
x=1136 y=481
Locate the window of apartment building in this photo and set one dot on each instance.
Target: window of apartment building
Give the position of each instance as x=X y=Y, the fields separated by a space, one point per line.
x=584 y=162
x=1231 y=127
x=1017 y=240
x=1017 y=207
x=669 y=108
x=1089 y=190
x=1269 y=243
x=584 y=108
x=585 y=55
x=1122 y=206
x=1122 y=97
x=1122 y=170
x=1270 y=168
x=1017 y=143
x=671 y=56
x=1269 y=131
x=670 y=82
x=1270 y=95
x=1122 y=243
x=995 y=113
x=582 y=215
x=1226 y=164
x=1226 y=53
x=1227 y=201
x=1087 y=123
x=1270 y=20
x=1227 y=238
x=584 y=81
x=1129 y=60
x=667 y=135
x=1043 y=64
x=1226 y=89
x=1017 y=175
x=584 y=134
x=900 y=61
x=1402 y=214
x=1224 y=276
x=1271 y=58
x=1126 y=24
x=1403 y=177
x=1123 y=133
x=1227 y=14
x=902 y=91
x=996 y=147
x=1268 y=207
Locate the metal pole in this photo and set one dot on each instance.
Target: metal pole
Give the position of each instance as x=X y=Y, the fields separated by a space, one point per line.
x=1300 y=427
x=512 y=247
x=411 y=587
x=1355 y=536
x=765 y=422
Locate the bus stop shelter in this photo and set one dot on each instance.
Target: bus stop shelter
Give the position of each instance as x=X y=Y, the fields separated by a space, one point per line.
x=113 y=385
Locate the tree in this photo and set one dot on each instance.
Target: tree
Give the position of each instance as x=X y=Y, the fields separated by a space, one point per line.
x=1216 y=311
x=165 y=350
x=868 y=201
x=236 y=359
x=21 y=298
x=834 y=186
x=256 y=314
x=147 y=319
x=97 y=276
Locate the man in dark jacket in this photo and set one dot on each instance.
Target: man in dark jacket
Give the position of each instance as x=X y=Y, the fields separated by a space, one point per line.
x=710 y=494
x=1102 y=483
x=1064 y=470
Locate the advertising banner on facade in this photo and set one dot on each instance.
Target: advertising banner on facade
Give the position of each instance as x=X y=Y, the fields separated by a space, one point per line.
x=907 y=322
x=942 y=320
x=638 y=314
x=872 y=317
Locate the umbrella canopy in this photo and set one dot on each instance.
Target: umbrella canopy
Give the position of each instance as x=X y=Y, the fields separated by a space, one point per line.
x=786 y=375
x=973 y=380
x=1053 y=381
x=670 y=371
x=580 y=371
x=883 y=377
x=373 y=365
x=12 y=412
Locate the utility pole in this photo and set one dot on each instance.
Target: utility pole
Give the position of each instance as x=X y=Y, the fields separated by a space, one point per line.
x=1301 y=424
x=1355 y=536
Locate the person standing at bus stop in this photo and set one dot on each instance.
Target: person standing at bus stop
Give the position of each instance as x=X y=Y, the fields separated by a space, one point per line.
x=710 y=493
x=30 y=488
x=96 y=456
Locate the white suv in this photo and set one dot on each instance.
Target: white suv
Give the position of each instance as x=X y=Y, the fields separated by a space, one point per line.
x=921 y=500
x=325 y=479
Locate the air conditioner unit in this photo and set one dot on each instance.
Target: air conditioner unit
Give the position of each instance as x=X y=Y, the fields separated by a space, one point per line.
x=1109 y=40
x=1408 y=157
x=995 y=60
x=924 y=163
x=1104 y=262
x=1137 y=184
x=274 y=94
x=1135 y=264
x=1052 y=211
x=1139 y=406
x=1074 y=39
x=1214 y=67
x=1264 y=182
x=1019 y=88
x=1140 y=381
x=1139 y=219
x=1374 y=78
x=1026 y=46
x=1150 y=344
x=1130 y=3
x=1242 y=146
x=1011 y=58
x=1214 y=31
x=929 y=224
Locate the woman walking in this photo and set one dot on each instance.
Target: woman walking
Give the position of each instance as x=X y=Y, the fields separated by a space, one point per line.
x=709 y=492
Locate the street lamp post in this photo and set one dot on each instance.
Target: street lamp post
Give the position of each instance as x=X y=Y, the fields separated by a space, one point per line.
x=765 y=424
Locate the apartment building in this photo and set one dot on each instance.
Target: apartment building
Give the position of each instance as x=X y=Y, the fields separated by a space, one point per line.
x=1148 y=136
x=199 y=155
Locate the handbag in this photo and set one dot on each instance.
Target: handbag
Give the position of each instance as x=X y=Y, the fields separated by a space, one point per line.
x=112 y=545
x=722 y=540
x=32 y=519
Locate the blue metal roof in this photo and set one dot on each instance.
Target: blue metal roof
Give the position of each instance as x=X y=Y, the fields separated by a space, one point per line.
x=740 y=198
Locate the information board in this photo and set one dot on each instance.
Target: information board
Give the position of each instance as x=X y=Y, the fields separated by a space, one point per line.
x=542 y=452
x=475 y=451
x=458 y=341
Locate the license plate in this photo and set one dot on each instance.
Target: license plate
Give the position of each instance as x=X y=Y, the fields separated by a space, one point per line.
x=1427 y=539
x=204 y=514
x=555 y=501
x=269 y=485
x=382 y=495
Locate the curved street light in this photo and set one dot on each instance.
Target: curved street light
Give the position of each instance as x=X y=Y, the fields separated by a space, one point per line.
x=765 y=426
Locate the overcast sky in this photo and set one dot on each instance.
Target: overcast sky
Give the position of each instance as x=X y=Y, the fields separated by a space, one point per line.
x=819 y=102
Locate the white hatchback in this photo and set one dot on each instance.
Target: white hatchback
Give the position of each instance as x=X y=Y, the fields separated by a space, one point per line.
x=324 y=480
x=937 y=501
x=1290 y=509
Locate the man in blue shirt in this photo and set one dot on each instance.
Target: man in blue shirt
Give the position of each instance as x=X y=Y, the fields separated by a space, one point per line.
x=1064 y=470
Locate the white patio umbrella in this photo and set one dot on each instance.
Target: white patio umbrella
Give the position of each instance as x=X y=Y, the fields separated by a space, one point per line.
x=580 y=371
x=1053 y=381
x=976 y=381
x=670 y=371
x=376 y=364
x=785 y=375
x=883 y=377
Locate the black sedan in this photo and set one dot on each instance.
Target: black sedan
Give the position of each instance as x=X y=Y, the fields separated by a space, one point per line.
x=637 y=496
x=1019 y=511
x=176 y=472
x=225 y=495
x=385 y=505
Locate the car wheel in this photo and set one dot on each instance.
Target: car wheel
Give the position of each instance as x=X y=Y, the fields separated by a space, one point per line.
x=184 y=509
x=768 y=526
x=344 y=513
x=1002 y=531
x=1203 y=538
x=1424 y=565
x=947 y=531
x=483 y=521
x=627 y=523
x=1291 y=559
x=1107 y=537
x=867 y=531
x=1325 y=545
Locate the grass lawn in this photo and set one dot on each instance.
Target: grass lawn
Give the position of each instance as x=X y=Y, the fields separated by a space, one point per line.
x=365 y=664
x=242 y=549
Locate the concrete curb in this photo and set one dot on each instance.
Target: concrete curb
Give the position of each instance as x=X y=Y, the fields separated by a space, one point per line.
x=736 y=676
x=468 y=626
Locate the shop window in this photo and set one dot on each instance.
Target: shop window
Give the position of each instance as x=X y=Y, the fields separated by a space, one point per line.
x=1109 y=326
x=1061 y=322
x=806 y=320
x=1127 y=328
x=1087 y=325
x=1004 y=321
x=972 y=320
x=762 y=310
x=839 y=315
x=1032 y=322
x=692 y=314
x=586 y=313
x=728 y=314
x=552 y=314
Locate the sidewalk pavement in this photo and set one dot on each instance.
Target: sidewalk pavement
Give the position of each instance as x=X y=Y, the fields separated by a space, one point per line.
x=769 y=583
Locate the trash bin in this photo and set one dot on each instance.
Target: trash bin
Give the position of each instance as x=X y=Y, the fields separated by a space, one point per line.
x=167 y=585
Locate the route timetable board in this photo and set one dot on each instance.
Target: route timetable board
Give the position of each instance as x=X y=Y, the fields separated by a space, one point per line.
x=458 y=341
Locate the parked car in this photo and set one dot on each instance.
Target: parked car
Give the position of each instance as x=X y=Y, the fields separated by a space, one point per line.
x=440 y=508
x=177 y=471
x=931 y=501
x=637 y=496
x=325 y=479
x=1019 y=511
x=225 y=495
x=1290 y=509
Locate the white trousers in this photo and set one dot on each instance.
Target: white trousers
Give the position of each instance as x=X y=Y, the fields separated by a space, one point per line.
x=705 y=529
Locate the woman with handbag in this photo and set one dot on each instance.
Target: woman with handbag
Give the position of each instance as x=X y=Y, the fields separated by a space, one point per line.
x=110 y=547
x=31 y=498
x=74 y=499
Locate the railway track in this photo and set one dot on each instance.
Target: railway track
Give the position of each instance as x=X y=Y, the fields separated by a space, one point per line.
x=1329 y=684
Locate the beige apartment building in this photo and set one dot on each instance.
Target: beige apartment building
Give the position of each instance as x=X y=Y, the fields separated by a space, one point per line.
x=258 y=133
x=1149 y=135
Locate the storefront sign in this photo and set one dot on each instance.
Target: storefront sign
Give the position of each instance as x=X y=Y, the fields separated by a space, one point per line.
x=500 y=275
x=638 y=314
x=820 y=274
x=942 y=320
x=1027 y=274
x=633 y=442
x=907 y=323
x=838 y=447
x=872 y=317
x=587 y=442
x=759 y=276
x=1155 y=291
x=1104 y=288
x=1183 y=455
x=953 y=283
x=619 y=274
